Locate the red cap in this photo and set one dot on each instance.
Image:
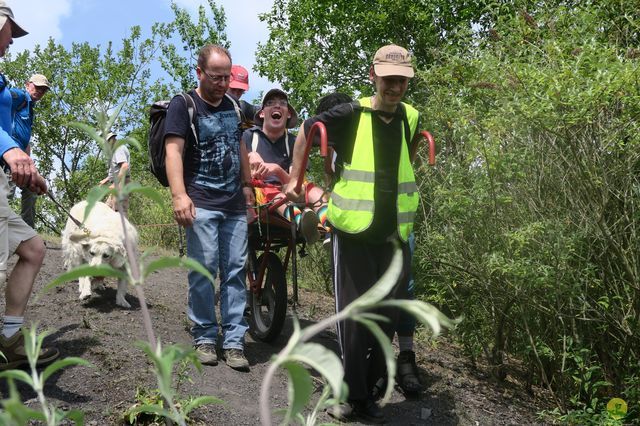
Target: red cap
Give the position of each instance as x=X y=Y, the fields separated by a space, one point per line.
x=239 y=78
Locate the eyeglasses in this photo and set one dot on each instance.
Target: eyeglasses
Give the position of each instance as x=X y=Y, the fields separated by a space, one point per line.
x=217 y=78
x=274 y=102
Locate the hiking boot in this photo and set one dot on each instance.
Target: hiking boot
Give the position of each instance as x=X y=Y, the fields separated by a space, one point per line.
x=235 y=359
x=368 y=411
x=326 y=244
x=308 y=226
x=16 y=356
x=407 y=376
x=206 y=353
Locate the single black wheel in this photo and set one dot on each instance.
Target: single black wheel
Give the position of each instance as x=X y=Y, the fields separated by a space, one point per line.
x=269 y=308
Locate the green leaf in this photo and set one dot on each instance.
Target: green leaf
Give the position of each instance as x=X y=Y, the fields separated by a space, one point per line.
x=300 y=388
x=323 y=361
x=76 y=415
x=63 y=363
x=150 y=409
x=17 y=375
x=424 y=312
x=389 y=356
x=147 y=191
x=199 y=402
x=175 y=262
x=85 y=271
x=97 y=193
x=89 y=130
x=131 y=141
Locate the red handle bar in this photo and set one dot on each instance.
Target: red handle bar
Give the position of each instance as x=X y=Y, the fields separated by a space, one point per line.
x=432 y=147
x=317 y=126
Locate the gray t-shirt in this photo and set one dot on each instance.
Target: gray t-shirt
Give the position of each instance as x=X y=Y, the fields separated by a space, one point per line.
x=121 y=155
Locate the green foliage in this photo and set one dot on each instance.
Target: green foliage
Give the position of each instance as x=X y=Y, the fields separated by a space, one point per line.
x=170 y=406
x=193 y=36
x=14 y=412
x=529 y=222
x=165 y=402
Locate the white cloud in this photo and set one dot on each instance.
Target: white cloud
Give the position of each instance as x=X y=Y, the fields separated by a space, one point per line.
x=41 y=18
x=53 y=18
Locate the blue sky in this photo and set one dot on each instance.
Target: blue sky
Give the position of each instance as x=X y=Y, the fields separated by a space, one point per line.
x=100 y=21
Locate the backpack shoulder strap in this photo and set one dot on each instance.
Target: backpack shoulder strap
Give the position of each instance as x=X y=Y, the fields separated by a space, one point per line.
x=286 y=143
x=236 y=107
x=192 y=109
x=254 y=142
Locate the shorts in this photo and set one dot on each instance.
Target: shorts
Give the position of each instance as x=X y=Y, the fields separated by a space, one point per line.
x=13 y=230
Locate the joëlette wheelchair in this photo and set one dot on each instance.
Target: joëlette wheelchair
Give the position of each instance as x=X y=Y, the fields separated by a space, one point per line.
x=268 y=234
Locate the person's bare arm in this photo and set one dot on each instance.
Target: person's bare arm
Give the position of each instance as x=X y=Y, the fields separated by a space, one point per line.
x=245 y=176
x=183 y=209
x=296 y=164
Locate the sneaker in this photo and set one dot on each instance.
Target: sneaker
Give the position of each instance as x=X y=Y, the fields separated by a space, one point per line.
x=407 y=376
x=206 y=353
x=16 y=356
x=235 y=359
x=308 y=226
x=341 y=412
x=368 y=411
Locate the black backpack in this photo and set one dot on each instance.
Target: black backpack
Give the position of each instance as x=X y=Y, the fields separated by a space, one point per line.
x=157 y=153
x=156 y=147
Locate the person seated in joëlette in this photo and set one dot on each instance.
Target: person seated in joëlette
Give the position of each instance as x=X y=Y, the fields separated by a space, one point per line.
x=270 y=146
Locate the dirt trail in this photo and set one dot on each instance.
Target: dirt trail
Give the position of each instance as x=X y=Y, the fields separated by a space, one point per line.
x=100 y=332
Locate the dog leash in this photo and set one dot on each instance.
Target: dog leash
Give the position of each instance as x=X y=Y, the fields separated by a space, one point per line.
x=76 y=221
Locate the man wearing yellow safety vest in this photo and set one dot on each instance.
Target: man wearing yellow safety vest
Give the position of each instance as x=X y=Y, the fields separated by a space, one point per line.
x=373 y=204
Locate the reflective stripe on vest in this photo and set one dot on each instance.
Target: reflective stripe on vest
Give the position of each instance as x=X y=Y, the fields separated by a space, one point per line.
x=351 y=206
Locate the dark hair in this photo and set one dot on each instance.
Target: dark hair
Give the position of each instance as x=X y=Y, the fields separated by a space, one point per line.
x=206 y=51
x=332 y=99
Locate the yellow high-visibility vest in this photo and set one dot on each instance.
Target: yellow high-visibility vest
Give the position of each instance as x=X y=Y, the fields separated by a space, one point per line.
x=351 y=206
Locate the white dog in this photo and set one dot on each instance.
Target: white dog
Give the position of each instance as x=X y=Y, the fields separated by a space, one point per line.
x=104 y=244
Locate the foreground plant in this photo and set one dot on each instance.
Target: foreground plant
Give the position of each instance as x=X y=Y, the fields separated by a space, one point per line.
x=169 y=406
x=138 y=269
x=298 y=353
x=14 y=412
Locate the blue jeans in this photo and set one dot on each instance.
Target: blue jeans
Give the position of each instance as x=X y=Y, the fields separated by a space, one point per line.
x=218 y=240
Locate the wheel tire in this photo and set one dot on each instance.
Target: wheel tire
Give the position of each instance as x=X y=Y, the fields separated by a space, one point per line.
x=269 y=309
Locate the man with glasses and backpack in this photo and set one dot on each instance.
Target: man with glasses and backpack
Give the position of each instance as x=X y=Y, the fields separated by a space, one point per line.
x=210 y=181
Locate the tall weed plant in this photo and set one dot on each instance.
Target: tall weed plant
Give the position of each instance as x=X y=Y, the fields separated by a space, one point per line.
x=532 y=218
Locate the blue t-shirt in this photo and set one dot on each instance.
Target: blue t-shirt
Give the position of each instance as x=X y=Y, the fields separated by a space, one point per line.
x=212 y=168
x=6 y=141
x=271 y=152
x=22 y=110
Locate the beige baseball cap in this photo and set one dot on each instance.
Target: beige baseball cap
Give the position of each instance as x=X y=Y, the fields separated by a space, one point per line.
x=6 y=13
x=393 y=60
x=39 y=80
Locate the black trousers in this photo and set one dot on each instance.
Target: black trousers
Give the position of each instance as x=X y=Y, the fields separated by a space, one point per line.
x=357 y=266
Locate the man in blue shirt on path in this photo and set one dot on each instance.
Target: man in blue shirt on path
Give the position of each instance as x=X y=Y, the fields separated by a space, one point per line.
x=22 y=111
x=15 y=235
